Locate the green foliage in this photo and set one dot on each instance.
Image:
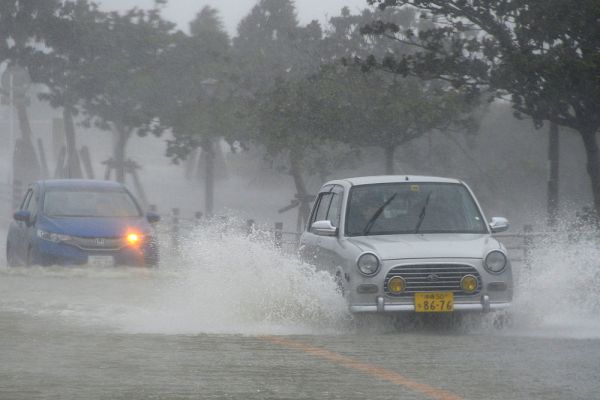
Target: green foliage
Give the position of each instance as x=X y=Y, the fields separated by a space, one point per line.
x=25 y=25
x=544 y=55
x=345 y=39
x=63 y=71
x=271 y=46
x=342 y=104
x=389 y=112
x=197 y=97
x=122 y=57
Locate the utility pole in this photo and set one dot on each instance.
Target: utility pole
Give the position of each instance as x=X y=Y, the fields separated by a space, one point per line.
x=553 y=172
x=11 y=142
x=209 y=87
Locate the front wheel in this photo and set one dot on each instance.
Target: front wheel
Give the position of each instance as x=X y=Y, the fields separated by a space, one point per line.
x=151 y=255
x=340 y=283
x=30 y=261
x=502 y=320
x=11 y=260
x=152 y=260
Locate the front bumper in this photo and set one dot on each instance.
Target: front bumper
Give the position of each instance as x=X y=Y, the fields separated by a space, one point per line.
x=49 y=253
x=484 y=305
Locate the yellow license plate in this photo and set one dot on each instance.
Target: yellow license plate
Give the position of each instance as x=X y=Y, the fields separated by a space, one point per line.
x=434 y=302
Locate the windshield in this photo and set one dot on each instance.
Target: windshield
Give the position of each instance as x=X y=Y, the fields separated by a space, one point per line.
x=87 y=203
x=392 y=208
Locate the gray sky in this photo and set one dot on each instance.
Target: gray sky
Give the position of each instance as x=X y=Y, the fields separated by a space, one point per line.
x=232 y=11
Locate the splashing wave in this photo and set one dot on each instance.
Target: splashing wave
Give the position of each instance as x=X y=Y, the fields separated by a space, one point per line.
x=222 y=282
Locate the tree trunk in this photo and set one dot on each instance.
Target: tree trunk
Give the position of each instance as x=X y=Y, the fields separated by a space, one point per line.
x=301 y=192
x=26 y=167
x=553 y=178
x=590 y=142
x=389 y=159
x=73 y=168
x=26 y=134
x=190 y=163
x=120 y=153
x=209 y=182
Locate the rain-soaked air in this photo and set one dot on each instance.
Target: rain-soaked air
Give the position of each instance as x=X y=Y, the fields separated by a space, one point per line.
x=277 y=199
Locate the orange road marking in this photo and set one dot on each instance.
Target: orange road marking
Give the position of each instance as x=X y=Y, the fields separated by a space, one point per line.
x=370 y=369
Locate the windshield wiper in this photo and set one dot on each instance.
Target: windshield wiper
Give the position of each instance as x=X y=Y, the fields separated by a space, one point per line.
x=371 y=222
x=422 y=213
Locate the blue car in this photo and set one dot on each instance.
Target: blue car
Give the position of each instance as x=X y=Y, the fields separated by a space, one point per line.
x=77 y=222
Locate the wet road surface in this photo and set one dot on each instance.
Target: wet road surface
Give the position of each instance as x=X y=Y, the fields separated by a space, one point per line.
x=44 y=359
x=190 y=332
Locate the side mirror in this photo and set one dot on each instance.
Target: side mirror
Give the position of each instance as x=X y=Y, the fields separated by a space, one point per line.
x=152 y=217
x=323 y=228
x=22 y=216
x=498 y=224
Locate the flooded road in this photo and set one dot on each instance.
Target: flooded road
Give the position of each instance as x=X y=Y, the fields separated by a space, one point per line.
x=232 y=318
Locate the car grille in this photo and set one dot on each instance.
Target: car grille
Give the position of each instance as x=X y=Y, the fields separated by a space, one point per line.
x=432 y=278
x=97 y=243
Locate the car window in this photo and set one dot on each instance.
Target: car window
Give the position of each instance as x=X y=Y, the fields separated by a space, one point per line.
x=335 y=208
x=322 y=207
x=89 y=203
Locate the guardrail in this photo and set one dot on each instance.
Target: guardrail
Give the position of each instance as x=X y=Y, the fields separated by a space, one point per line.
x=518 y=244
x=174 y=226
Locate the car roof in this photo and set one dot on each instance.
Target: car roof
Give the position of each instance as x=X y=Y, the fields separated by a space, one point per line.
x=366 y=180
x=79 y=184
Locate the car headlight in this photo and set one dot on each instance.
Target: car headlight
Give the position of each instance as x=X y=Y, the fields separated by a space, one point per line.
x=368 y=264
x=133 y=238
x=495 y=262
x=52 y=237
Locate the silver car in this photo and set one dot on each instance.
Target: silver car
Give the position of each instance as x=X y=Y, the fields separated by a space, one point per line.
x=409 y=244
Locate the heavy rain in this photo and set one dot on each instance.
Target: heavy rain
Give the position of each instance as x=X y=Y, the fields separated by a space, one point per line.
x=279 y=199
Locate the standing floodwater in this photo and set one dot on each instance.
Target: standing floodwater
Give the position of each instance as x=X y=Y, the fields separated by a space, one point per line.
x=559 y=293
x=205 y=325
x=223 y=282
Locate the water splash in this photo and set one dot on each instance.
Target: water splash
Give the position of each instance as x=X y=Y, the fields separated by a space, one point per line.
x=558 y=294
x=222 y=281
x=227 y=282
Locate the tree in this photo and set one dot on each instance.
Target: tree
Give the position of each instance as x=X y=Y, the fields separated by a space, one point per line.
x=544 y=55
x=295 y=119
x=344 y=38
x=382 y=110
x=275 y=55
x=271 y=46
x=195 y=97
x=25 y=27
x=388 y=113
x=119 y=69
x=63 y=71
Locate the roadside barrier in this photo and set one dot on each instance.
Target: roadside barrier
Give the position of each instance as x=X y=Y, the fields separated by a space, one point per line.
x=174 y=226
x=519 y=244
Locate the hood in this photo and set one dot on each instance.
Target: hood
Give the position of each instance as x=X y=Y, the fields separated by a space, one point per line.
x=93 y=226
x=394 y=247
